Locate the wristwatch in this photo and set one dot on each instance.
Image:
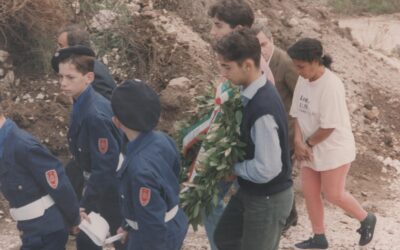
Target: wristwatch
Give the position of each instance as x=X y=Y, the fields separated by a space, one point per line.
x=309 y=144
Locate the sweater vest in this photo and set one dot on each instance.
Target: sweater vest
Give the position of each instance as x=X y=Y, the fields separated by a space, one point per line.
x=267 y=102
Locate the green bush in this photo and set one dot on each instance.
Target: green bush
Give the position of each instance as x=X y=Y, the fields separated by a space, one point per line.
x=361 y=6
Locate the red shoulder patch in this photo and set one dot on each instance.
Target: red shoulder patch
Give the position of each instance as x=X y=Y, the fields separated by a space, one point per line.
x=144 y=196
x=103 y=145
x=52 y=178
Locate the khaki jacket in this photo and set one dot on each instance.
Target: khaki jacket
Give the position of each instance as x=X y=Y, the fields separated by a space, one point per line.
x=285 y=76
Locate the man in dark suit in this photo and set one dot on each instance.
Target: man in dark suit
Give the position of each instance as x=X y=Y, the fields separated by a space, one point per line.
x=285 y=76
x=72 y=35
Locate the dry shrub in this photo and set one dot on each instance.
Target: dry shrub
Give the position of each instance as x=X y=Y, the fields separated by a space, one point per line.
x=194 y=13
x=166 y=4
x=155 y=55
x=136 y=47
x=28 y=28
x=140 y=50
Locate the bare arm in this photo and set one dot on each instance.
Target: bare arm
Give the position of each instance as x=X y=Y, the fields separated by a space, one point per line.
x=320 y=135
x=301 y=151
x=298 y=137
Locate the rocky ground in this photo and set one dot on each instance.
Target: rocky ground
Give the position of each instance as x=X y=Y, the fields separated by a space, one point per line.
x=181 y=65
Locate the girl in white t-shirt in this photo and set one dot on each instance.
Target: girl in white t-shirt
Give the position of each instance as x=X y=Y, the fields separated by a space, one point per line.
x=324 y=143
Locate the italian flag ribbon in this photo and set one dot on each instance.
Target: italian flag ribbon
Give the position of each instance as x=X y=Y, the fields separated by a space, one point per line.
x=223 y=93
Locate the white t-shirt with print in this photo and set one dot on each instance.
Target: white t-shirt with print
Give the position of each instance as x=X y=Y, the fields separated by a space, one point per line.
x=322 y=104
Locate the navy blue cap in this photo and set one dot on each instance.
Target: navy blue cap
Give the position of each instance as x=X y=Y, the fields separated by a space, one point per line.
x=136 y=105
x=65 y=53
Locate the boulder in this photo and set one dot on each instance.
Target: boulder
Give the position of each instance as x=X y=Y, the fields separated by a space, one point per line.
x=3 y=56
x=176 y=95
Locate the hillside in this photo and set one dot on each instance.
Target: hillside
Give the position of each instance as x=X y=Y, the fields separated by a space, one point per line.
x=166 y=42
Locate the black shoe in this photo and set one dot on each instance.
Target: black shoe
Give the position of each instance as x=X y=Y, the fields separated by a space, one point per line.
x=367 y=229
x=316 y=242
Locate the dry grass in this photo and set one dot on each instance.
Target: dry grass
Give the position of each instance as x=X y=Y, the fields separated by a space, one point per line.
x=166 y=4
x=28 y=27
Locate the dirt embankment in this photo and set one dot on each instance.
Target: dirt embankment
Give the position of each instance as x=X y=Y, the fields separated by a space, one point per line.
x=176 y=37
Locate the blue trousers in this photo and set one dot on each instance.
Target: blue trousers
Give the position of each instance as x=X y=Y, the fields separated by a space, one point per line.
x=83 y=242
x=114 y=219
x=108 y=207
x=52 y=241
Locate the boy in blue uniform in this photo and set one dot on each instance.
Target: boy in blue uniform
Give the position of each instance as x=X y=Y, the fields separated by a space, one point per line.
x=40 y=195
x=94 y=141
x=103 y=83
x=149 y=176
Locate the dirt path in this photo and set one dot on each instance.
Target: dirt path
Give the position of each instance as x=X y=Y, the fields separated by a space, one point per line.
x=341 y=228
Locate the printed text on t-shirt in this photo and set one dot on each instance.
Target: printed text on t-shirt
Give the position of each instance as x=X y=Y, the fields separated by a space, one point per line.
x=304 y=104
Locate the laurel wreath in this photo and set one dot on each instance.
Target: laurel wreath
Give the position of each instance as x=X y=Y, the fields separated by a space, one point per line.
x=220 y=148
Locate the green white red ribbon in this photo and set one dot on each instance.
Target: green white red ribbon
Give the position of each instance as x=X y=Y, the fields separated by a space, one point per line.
x=223 y=93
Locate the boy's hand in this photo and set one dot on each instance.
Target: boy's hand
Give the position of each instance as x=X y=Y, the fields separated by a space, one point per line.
x=75 y=230
x=125 y=234
x=84 y=215
x=230 y=178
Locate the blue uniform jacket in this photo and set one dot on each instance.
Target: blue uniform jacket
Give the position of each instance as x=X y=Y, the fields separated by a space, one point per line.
x=95 y=143
x=24 y=165
x=149 y=188
x=103 y=82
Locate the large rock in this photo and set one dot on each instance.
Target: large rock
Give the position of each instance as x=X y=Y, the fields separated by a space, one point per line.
x=176 y=100
x=9 y=78
x=3 y=56
x=103 y=20
x=133 y=8
x=372 y=114
x=177 y=95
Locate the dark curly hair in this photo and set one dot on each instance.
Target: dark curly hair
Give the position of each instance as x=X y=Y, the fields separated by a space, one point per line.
x=233 y=12
x=309 y=50
x=239 y=45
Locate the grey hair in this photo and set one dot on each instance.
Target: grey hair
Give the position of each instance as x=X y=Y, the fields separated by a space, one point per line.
x=76 y=35
x=261 y=25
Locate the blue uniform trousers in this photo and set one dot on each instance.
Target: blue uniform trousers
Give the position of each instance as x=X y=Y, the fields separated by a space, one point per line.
x=83 y=242
x=107 y=211
x=52 y=241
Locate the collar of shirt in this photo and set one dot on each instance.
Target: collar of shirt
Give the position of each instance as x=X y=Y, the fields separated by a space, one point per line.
x=248 y=93
x=4 y=130
x=137 y=142
x=132 y=147
x=78 y=102
x=273 y=50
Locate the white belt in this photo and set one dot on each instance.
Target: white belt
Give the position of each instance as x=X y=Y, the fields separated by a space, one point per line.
x=32 y=210
x=168 y=216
